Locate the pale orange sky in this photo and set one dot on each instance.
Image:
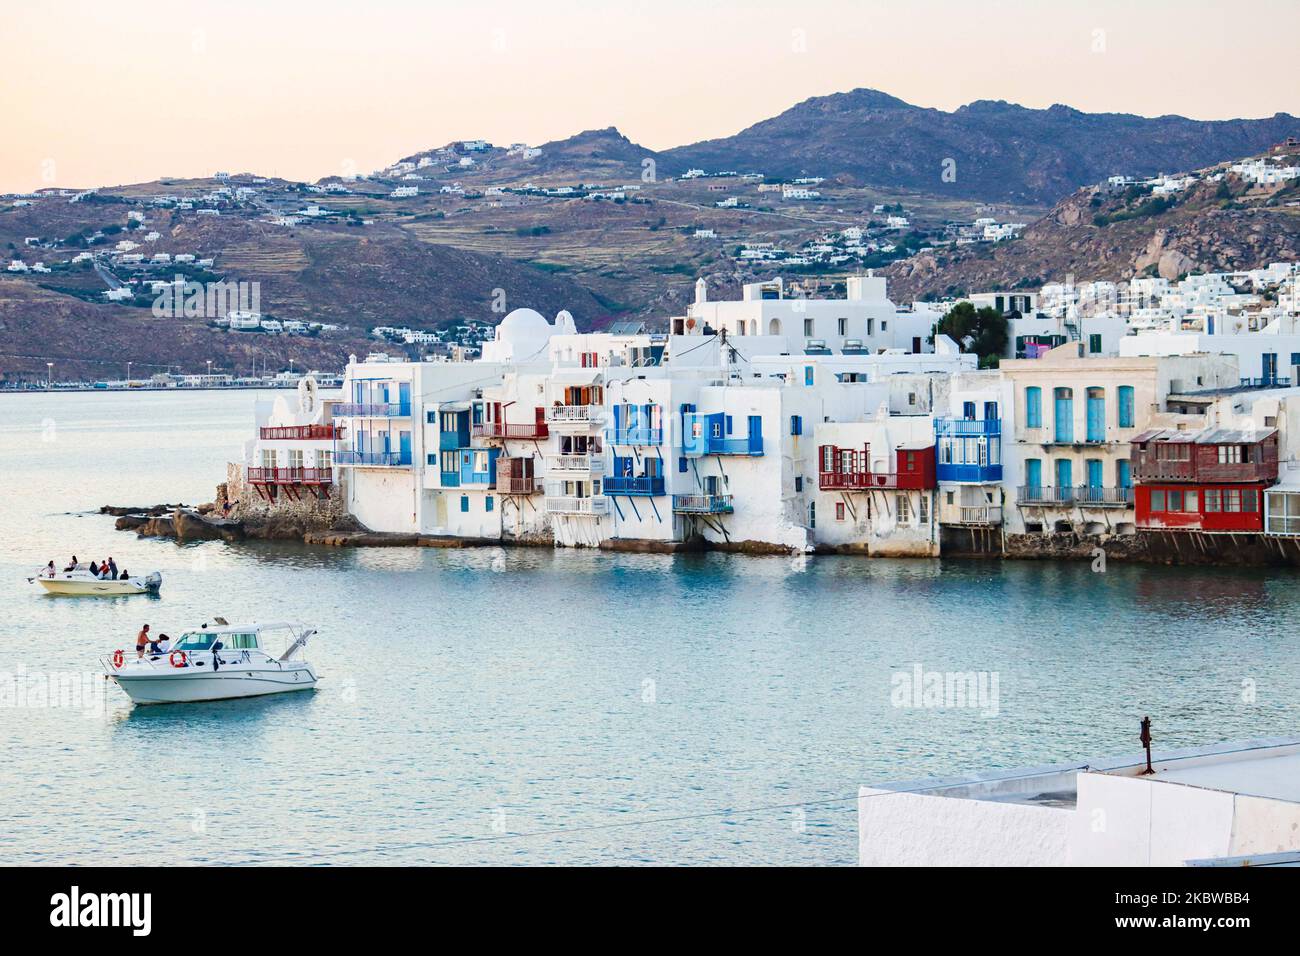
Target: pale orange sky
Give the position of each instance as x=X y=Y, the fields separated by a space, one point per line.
x=102 y=94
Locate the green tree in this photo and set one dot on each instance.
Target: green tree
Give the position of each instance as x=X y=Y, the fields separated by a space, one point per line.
x=982 y=332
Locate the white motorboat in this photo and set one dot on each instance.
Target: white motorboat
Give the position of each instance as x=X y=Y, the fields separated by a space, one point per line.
x=218 y=662
x=83 y=583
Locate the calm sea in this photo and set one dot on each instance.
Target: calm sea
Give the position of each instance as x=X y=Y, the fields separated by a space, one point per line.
x=537 y=706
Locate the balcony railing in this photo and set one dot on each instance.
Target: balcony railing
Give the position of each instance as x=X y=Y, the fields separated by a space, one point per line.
x=510 y=485
x=575 y=464
x=1268 y=382
x=504 y=430
x=707 y=445
x=980 y=514
x=975 y=474
x=373 y=410
x=389 y=458
x=866 y=480
x=575 y=414
x=647 y=486
x=1150 y=468
x=301 y=432
x=1079 y=495
x=702 y=504
x=571 y=505
x=634 y=435
x=967 y=427
x=290 y=476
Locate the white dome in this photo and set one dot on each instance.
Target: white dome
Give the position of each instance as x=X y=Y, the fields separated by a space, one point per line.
x=523 y=324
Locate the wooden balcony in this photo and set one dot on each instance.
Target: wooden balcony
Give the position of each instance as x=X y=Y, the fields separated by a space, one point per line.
x=529 y=430
x=301 y=433
x=290 y=476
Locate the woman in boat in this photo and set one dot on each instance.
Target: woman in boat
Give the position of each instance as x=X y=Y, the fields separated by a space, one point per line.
x=48 y=570
x=124 y=576
x=73 y=565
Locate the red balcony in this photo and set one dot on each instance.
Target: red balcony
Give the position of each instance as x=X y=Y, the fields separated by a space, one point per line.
x=290 y=476
x=849 y=469
x=505 y=430
x=301 y=432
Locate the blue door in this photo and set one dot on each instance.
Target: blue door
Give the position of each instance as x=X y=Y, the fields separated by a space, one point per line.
x=1064 y=479
x=1270 y=367
x=1124 y=472
x=1065 y=415
x=1033 y=476
x=1094 y=473
x=404 y=396
x=755 y=433
x=404 y=446
x=1096 y=415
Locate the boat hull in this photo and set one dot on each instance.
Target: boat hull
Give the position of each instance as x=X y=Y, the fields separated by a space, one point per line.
x=184 y=687
x=90 y=588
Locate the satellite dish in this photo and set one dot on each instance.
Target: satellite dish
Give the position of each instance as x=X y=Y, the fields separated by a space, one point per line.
x=307 y=394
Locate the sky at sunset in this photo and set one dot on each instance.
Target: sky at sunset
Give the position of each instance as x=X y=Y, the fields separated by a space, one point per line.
x=104 y=94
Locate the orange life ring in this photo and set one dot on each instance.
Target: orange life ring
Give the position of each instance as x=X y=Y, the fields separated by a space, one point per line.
x=117 y=657
x=172 y=658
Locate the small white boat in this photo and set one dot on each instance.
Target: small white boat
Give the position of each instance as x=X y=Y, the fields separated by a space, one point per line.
x=215 y=663
x=81 y=582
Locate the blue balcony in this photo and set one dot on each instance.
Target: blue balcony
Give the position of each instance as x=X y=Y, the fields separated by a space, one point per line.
x=967 y=427
x=646 y=486
x=393 y=459
x=634 y=435
x=707 y=435
x=373 y=410
x=968 y=450
x=971 y=474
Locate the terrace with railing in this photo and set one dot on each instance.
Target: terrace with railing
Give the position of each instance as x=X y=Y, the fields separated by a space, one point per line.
x=702 y=504
x=300 y=432
x=644 y=486
x=573 y=505
x=290 y=476
x=1080 y=495
x=634 y=435
x=523 y=430
x=373 y=410
x=849 y=469
x=575 y=415
x=575 y=464
x=393 y=459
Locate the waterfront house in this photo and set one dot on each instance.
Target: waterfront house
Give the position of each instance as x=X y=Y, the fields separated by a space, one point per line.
x=1067 y=466
x=1211 y=479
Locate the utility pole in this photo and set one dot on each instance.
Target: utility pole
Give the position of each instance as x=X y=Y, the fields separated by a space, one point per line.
x=49 y=375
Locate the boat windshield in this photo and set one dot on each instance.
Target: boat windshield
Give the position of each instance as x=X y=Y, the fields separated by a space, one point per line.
x=195 y=641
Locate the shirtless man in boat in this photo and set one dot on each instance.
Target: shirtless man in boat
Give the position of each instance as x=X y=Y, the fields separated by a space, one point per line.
x=142 y=641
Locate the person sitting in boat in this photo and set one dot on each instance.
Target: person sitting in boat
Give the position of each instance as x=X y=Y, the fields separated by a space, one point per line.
x=94 y=569
x=73 y=565
x=142 y=641
x=103 y=573
x=124 y=576
x=164 y=644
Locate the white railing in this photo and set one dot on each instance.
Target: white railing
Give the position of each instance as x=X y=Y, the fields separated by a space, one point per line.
x=570 y=505
x=981 y=514
x=575 y=414
x=575 y=464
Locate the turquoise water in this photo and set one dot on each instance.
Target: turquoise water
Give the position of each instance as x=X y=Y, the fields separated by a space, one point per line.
x=533 y=706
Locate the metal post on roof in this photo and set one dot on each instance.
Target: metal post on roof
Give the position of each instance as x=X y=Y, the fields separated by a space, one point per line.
x=1146 y=743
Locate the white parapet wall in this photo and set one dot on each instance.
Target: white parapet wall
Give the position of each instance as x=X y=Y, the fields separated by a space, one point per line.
x=915 y=829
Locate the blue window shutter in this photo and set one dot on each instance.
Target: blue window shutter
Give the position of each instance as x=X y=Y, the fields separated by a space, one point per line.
x=464 y=502
x=728 y=430
x=681 y=464
x=487 y=503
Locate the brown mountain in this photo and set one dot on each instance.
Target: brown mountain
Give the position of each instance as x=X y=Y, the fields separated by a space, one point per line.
x=998 y=151
x=1213 y=225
